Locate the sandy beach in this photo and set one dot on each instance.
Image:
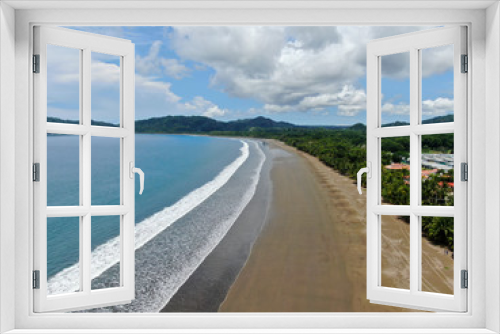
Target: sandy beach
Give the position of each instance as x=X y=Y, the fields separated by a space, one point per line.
x=311 y=253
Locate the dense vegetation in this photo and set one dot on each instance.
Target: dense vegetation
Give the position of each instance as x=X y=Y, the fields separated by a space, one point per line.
x=437 y=119
x=201 y=124
x=341 y=148
x=98 y=123
x=344 y=150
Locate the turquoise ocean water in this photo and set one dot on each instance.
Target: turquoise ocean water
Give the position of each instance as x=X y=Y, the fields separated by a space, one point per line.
x=181 y=173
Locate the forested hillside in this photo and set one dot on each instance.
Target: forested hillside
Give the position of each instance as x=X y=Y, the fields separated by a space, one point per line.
x=201 y=124
x=342 y=149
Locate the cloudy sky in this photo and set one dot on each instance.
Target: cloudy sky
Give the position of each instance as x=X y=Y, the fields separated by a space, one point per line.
x=304 y=75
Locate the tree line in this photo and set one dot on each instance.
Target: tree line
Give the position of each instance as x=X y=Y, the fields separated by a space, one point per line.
x=344 y=150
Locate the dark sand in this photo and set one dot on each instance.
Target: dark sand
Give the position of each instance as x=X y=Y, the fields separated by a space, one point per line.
x=207 y=287
x=311 y=255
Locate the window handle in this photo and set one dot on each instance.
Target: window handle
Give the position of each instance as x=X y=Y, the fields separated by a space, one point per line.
x=141 y=175
x=368 y=171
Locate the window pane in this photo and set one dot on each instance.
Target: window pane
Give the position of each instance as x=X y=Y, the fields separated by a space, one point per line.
x=63 y=84
x=63 y=255
x=437 y=254
x=63 y=170
x=395 y=183
x=437 y=169
x=395 y=257
x=395 y=89
x=106 y=252
x=105 y=89
x=105 y=171
x=437 y=84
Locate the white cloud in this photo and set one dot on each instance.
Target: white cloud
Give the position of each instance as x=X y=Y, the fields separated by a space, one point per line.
x=274 y=108
x=196 y=103
x=154 y=98
x=287 y=69
x=144 y=85
x=152 y=95
x=215 y=111
x=104 y=74
x=150 y=63
x=200 y=106
x=247 y=48
x=349 y=101
x=63 y=75
x=315 y=37
x=396 y=109
x=437 y=60
x=174 y=69
x=293 y=68
x=154 y=64
x=349 y=98
x=349 y=110
x=438 y=107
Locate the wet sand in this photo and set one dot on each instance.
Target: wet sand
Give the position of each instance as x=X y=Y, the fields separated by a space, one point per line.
x=311 y=254
x=207 y=287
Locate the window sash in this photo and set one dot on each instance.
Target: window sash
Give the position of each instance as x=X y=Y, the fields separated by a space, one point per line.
x=86 y=297
x=365 y=322
x=413 y=43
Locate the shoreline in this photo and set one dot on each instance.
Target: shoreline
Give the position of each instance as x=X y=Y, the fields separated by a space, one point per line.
x=306 y=251
x=319 y=264
x=208 y=285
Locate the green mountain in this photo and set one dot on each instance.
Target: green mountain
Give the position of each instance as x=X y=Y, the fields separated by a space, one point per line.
x=437 y=119
x=258 y=122
x=358 y=127
x=67 y=121
x=201 y=124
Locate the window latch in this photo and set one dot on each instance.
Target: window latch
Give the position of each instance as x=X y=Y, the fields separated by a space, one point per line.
x=133 y=170
x=368 y=171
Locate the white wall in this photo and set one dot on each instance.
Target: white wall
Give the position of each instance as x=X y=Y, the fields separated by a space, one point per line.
x=492 y=150
x=7 y=163
x=480 y=103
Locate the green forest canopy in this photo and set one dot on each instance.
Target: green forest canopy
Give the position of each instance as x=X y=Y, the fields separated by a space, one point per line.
x=341 y=148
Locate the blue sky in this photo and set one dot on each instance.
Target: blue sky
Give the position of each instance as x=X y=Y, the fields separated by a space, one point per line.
x=303 y=75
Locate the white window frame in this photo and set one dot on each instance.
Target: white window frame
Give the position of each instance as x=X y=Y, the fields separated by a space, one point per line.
x=412 y=44
x=85 y=43
x=484 y=50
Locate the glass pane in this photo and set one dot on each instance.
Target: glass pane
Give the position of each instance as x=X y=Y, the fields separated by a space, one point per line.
x=395 y=257
x=63 y=170
x=395 y=89
x=63 y=84
x=437 y=169
x=105 y=89
x=437 y=254
x=63 y=255
x=437 y=84
x=395 y=185
x=105 y=171
x=106 y=252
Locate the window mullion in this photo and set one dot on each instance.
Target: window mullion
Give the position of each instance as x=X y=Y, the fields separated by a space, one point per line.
x=386 y=132
x=415 y=173
x=86 y=168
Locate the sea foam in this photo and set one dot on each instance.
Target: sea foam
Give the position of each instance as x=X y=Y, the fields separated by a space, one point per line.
x=108 y=254
x=177 y=278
